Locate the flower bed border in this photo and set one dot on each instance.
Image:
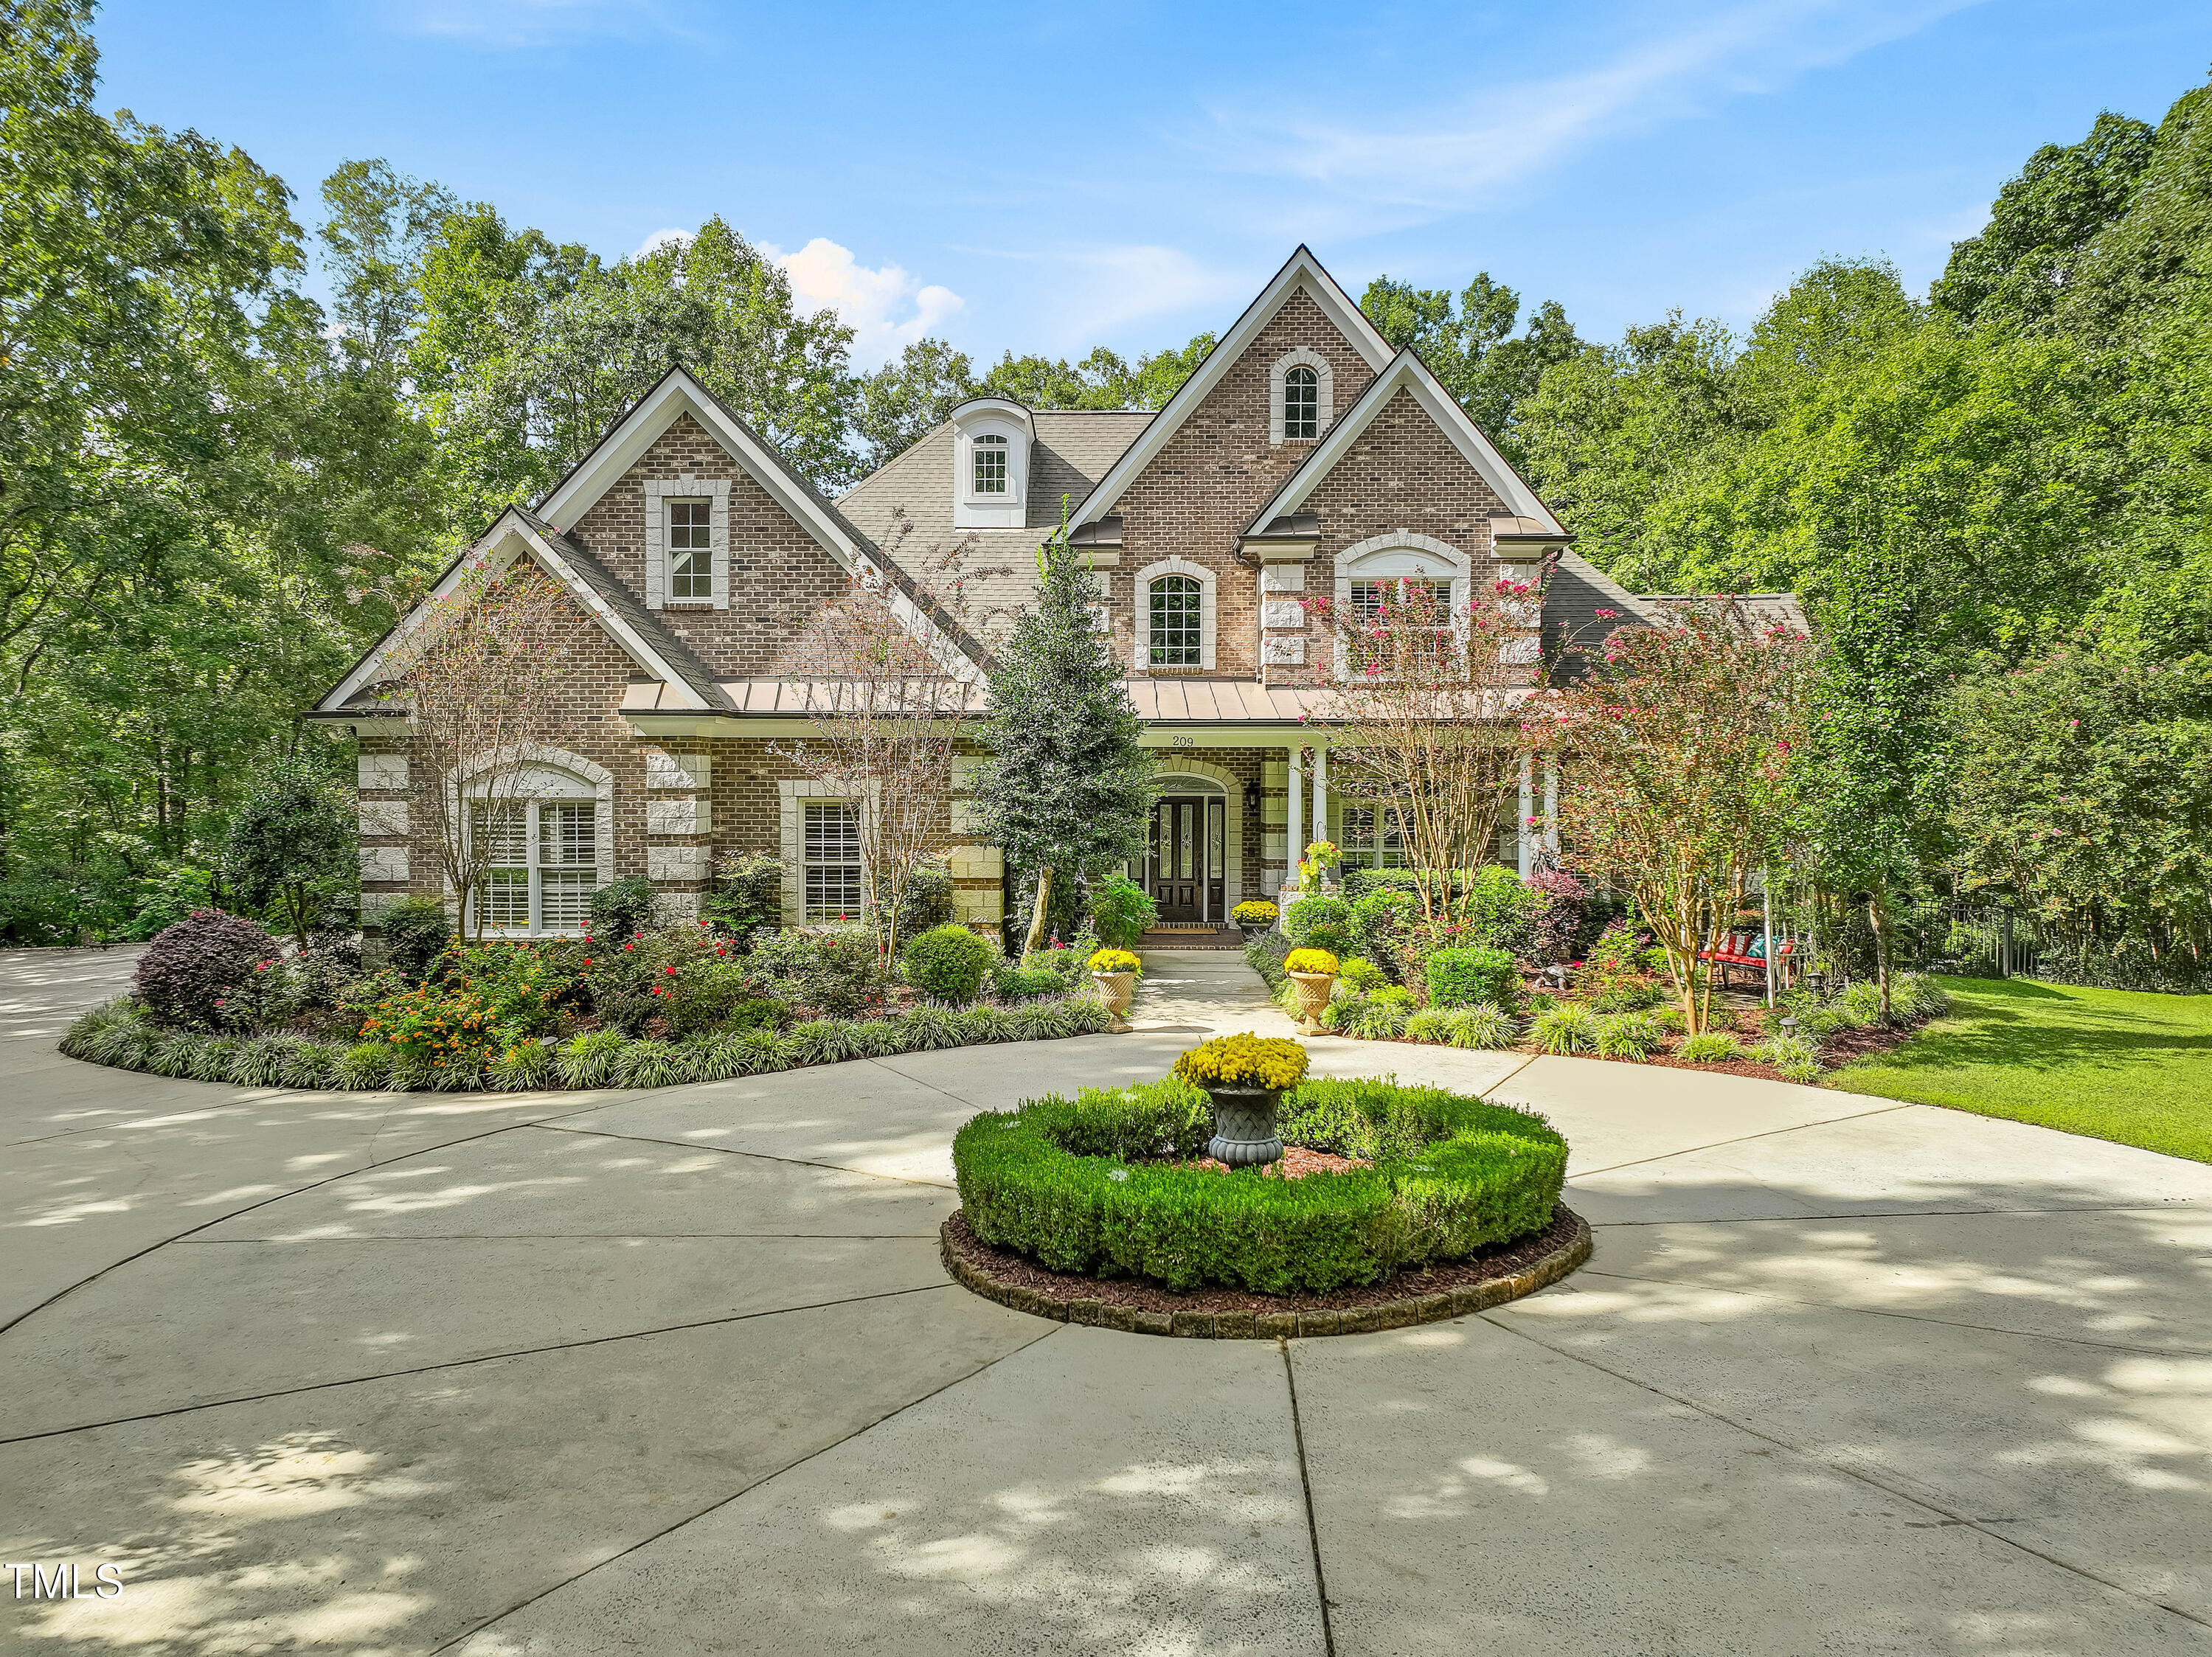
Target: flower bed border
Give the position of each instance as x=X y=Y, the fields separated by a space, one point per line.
x=1071 y=1298
x=248 y=1061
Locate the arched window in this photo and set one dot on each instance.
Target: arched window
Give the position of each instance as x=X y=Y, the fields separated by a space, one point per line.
x=990 y=464
x=1177 y=619
x=538 y=836
x=1301 y=406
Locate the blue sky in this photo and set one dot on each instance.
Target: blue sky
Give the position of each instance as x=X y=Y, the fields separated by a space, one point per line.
x=1051 y=177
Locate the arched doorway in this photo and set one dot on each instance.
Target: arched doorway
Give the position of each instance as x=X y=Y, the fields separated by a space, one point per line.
x=1187 y=850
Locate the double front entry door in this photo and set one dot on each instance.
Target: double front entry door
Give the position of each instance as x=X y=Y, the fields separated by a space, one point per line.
x=1184 y=864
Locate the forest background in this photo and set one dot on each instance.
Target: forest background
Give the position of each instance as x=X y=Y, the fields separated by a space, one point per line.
x=214 y=490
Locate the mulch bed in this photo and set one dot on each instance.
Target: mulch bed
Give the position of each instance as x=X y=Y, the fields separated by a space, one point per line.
x=1141 y=1306
x=1295 y=1163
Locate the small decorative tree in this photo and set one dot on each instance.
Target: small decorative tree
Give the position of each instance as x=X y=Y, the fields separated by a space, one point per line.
x=1675 y=758
x=1067 y=785
x=884 y=704
x=1418 y=686
x=478 y=669
x=291 y=845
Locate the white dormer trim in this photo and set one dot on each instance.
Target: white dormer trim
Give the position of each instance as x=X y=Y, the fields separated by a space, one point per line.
x=510 y=539
x=1142 y=655
x=1010 y=423
x=1407 y=372
x=1303 y=356
x=1301 y=273
x=658 y=491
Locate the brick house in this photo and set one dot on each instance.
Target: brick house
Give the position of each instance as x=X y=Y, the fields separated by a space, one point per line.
x=1303 y=457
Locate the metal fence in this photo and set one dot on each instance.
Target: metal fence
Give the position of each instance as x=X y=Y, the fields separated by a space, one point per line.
x=1974 y=938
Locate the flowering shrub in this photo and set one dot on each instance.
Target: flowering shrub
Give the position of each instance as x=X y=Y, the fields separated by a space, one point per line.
x=439 y=1026
x=1612 y=979
x=1113 y=960
x=1310 y=961
x=1243 y=1061
x=833 y=969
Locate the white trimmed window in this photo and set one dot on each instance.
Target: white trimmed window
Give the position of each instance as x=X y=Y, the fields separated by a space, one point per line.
x=1373 y=836
x=990 y=458
x=542 y=863
x=1301 y=405
x=831 y=877
x=1175 y=617
x=1301 y=397
x=690 y=551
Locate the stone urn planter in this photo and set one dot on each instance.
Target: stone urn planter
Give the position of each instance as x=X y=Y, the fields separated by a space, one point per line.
x=1115 y=989
x=1244 y=1126
x=1314 y=991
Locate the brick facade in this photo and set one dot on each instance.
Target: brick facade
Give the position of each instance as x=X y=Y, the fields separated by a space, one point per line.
x=1195 y=497
x=779 y=575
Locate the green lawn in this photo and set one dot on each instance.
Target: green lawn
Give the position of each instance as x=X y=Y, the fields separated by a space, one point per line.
x=2112 y=1064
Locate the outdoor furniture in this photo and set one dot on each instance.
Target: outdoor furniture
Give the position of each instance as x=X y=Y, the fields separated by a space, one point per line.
x=1738 y=958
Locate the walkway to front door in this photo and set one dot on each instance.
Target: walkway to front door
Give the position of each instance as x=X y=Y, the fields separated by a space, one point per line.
x=1184 y=864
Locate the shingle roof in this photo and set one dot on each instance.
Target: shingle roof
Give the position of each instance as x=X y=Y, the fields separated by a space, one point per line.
x=904 y=508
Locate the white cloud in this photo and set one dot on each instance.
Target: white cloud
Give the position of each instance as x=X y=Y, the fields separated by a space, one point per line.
x=539 y=22
x=1475 y=150
x=887 y=309
x=660 y=238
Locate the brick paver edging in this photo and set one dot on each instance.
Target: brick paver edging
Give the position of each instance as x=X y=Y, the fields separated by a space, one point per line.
x=1074 y=1307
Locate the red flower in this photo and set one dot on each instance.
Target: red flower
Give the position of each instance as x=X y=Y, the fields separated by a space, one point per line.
x=587 y=961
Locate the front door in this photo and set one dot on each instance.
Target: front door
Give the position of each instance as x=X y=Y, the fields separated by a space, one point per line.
x=1184 y=859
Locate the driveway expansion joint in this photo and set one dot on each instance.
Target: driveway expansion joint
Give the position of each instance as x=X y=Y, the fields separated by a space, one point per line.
x=1691 y=1151
x=732 y=1151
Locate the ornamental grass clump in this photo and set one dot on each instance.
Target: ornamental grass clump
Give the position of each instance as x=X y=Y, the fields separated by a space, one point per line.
x=1485 y=1025
x=1712 y=1047
x=1567 y=1027
x=1794 y=1056
x=1628 y=1035
x=1243 y=1061
x=1096 y=1185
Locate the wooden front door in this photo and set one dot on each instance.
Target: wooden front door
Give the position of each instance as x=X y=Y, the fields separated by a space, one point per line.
x=1184 y=860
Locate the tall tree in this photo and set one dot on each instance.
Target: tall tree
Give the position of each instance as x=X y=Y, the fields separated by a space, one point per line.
x=1067 y=785
x=1473 y=349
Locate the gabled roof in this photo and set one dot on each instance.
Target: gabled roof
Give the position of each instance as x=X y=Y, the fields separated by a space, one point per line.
x=520 y=534
x=1407 y=372
x=1302 y=271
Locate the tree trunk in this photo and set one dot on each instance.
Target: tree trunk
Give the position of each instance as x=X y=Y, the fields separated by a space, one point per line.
x=1036 y=940
x=1878 y=917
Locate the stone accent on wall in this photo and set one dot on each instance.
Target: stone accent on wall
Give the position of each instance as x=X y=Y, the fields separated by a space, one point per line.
x=686 y=771
x=378 y=770
x=383 y=863
x=383 y=817
x=678 y=816
x=677 y=862
x=779 y=575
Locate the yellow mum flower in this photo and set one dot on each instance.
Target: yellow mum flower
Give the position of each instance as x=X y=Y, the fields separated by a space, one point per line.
x=1310 y=961
x=1243 y=1061
x=1113 y=961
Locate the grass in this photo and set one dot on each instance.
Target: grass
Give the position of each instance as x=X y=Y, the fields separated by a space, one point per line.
x=2115 y=1064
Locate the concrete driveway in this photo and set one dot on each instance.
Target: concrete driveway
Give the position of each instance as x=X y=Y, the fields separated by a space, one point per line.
x=679 y=1372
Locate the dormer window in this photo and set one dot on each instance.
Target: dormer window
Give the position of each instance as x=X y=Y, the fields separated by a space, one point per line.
x=1301 y=406
x=991 y=440
x=990 y=454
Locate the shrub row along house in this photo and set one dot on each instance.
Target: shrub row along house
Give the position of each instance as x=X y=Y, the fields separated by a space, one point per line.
x=1303 y=460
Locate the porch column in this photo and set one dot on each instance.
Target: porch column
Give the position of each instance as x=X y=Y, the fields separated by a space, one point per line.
x=1525 y=840
x=1295 y=841
x=1552 y=807
x=1319 y=793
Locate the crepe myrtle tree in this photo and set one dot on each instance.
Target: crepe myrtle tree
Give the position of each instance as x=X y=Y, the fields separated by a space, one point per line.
x=1676 y=757
x=884 y=701
x=1413 y=690
x=478 y=670
x=1067 y=786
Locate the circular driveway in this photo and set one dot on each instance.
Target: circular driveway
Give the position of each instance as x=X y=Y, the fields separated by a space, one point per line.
x=679 y=1371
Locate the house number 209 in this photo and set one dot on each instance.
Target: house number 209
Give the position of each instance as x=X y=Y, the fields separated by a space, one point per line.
x=1183 y=742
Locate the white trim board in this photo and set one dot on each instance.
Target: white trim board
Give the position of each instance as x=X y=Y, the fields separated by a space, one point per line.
x=1407 y=372
x=510 y=539
x=1302 y=271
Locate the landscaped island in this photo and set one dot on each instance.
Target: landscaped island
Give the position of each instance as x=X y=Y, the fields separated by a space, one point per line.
x=1113 y=1194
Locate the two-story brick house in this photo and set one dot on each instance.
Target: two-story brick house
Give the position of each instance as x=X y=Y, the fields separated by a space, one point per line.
x=1304 y=457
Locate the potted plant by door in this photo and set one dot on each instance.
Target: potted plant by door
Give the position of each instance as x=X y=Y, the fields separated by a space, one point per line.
x=1254 y=918
x=1314 y=971
x=1245 y=1077
x=1115 y=972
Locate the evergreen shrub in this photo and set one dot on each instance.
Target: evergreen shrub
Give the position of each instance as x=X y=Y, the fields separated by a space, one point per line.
x=1320 y=923
x=1463 y=975
x=415 y=932
x=192 y=976
x=948 y=963
x=1073 y=1183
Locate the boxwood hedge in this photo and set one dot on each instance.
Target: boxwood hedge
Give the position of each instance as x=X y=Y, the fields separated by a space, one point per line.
x=1070 y=1183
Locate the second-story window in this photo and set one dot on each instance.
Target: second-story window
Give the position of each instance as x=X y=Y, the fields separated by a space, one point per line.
x=990 y=465
x=690 y=558
x=1178 y=636
x=1301 y=406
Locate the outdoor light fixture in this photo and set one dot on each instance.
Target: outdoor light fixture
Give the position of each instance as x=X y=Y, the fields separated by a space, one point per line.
x=1251 y=796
